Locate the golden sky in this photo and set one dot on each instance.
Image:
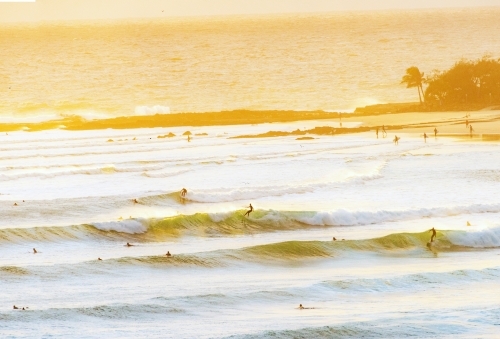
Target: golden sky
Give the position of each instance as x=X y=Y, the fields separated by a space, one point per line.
x=115 y=9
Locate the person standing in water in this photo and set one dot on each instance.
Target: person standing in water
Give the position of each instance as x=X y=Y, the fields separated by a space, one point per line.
x=433 y=230
x=470 y=129
x=384 y=133
x=425 y=137
x=249 y=211
x=435 y=132
x=376 y=132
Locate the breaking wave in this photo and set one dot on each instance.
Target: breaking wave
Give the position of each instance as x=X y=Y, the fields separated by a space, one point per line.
x=397 y=244
x=261 y=221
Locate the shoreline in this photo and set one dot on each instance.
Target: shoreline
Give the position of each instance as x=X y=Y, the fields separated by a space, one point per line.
x=486 y=121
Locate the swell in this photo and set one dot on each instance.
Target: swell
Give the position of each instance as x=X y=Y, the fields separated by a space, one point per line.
x=382 y=328
x=234 y=223
x=281 y=253
x=190 y=304
x=110 y=311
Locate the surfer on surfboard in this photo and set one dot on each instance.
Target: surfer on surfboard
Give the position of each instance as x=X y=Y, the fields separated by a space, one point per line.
x=249 y=211
x=433 y=230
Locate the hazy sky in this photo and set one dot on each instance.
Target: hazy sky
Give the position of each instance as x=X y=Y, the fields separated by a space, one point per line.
x=114 y=9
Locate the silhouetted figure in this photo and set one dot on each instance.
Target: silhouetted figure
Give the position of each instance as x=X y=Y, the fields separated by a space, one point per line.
x=15 y=307
x=425 y=137
x=129 y=245
x=15 y=204
x=470 y=129
x=435 y=132
x=433 y=234
x=466 y=123
x=376 y=132
x=249 y=211
x=384 y=133
x=396 y=140
x=135 y=201
x=301 y=307
x=168 y=254
x=334 y=239
x=183 y=192
x=34 y=251
x=99 y=259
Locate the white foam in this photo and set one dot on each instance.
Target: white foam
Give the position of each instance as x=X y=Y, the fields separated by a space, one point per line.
x=343 y=217
x=480 y=239
x=147 y=110
x=132 y=226
x=220 y=216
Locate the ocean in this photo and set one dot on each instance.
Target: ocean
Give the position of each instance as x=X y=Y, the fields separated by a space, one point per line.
x=77 y=196
x=331 y=62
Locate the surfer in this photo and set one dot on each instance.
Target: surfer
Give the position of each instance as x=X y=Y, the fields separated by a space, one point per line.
x=34 y=251
x=466 y=123
x=129 y=244
x=470 y=129
x=376 y=132
x=334 y=239
x=168 y=254
x=99 y=258
x=433 y=230
x=301 y=307
x=15 y=204
x=435 y=132
x=425 y=137
x=15 y=307
x=135 y=201
x=183 y=192
x=249 y=211
x=384 y=133
x=396 y=140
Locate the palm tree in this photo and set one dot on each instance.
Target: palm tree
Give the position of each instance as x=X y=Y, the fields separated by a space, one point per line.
x=413 y=78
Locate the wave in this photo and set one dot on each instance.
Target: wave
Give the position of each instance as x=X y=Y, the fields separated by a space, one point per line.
x=261 y=221
x=416 y=282
x=78 y=170
x=295 y=253
x=369 y=329
x=272 y=220
x=112 y=311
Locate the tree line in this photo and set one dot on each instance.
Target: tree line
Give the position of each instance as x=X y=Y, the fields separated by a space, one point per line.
x=467 y=83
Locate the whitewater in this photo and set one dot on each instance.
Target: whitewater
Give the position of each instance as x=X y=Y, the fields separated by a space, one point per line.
x=76 y=196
